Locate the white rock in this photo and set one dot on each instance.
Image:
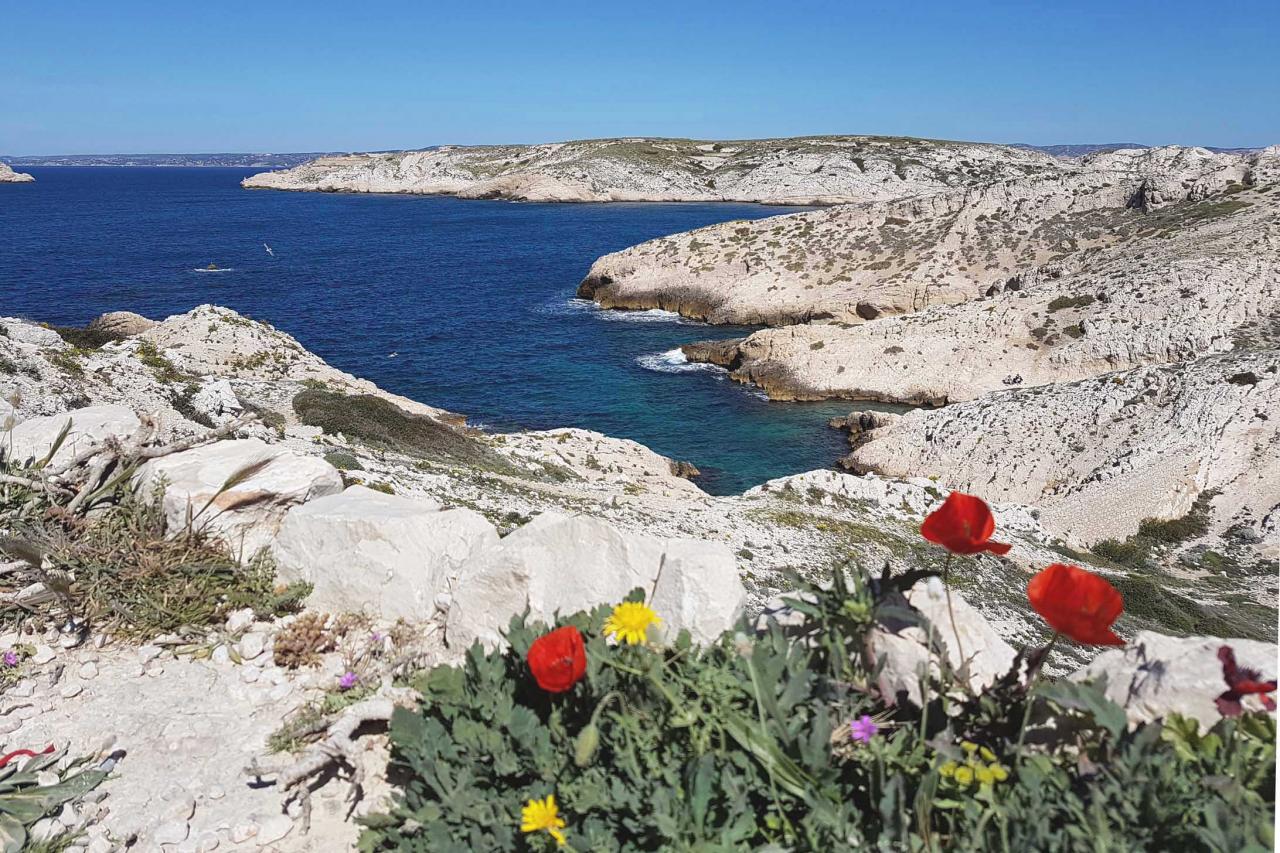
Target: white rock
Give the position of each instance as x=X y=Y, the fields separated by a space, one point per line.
x=70 y=691
x=221 y=655
x=121 y=323
x=242 y=832
x=88 y=670
x=273 y=828
x=46 y=829
x=171 y=832
x=33 y=438
x=905 y=653
x=251 y=646
x=387 y=554
x=562 y=564
x=146 y=654
x=217 y=400
x=248 y=514
x=1156 y=675
x=43 y=655
x=240 y=620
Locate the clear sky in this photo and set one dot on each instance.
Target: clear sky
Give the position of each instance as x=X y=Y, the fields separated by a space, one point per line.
x=180 y=76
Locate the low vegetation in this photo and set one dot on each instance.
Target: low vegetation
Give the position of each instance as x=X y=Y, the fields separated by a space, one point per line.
x=781 y=740
x=383 y=425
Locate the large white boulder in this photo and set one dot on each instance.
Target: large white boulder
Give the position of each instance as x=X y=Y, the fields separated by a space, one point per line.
x=383 y=554
x=32 y=438
x=561 y=564
x=217 y=401
x=905 y=651
x=248 y=514
x=1156 y=675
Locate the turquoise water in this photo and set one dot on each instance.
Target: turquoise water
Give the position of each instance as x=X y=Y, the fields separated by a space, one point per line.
x=474 y=298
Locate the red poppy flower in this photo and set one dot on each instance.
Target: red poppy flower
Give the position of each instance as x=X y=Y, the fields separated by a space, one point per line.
x=558 y=659
x=962 y=525
x=1241 y=682
x=1077 y=603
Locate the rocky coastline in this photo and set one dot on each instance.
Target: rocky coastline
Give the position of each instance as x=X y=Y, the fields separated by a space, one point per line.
x=427 y=534
x=1051 y=330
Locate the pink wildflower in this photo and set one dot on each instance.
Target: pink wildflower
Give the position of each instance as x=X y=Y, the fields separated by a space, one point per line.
x=863 y=729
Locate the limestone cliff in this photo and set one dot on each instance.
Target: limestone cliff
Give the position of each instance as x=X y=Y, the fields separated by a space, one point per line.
x=863 y=261
x=1099 y=455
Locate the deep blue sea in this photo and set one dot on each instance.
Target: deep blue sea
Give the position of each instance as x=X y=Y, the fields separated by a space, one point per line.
x=475 y=298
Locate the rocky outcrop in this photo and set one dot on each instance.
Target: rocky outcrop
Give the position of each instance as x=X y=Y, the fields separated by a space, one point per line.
x=384 y=555
x=860 y=262
x=238 y=490
x=562 y=564
x=8 y=176
x=803 y=170
x=1099 y=455
x=1188 y=280
x=122 y=323
x=1154 y=676
x=35 y=438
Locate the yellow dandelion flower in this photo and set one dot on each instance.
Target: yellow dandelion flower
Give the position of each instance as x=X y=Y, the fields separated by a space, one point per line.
x=969 y=747
x=538 y=815
x=964 y=776
x=987 y=755
x=984 y=775
x=629 y=623
x=948 y=770
x=998 y=772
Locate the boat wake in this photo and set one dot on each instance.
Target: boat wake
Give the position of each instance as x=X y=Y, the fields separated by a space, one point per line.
x=219 y=269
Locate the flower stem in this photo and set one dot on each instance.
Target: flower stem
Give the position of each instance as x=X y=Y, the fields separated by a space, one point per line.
x=1026 y=711
x=951 y=614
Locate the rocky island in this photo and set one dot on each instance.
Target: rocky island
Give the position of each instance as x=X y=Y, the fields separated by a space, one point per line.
x=802 y=171
x=8 y=176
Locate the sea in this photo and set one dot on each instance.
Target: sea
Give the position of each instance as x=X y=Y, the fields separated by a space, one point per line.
x=467 y=305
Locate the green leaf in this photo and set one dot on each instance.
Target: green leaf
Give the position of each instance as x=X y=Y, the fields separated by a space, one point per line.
x=13 y=835
x=1086 y=697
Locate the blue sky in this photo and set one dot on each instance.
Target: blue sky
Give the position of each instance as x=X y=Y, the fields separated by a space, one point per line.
x=152 y=77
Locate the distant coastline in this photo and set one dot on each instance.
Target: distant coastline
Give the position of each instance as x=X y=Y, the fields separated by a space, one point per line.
x=235 y=160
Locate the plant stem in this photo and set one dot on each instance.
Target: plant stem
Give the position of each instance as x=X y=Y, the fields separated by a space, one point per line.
x=764 y=734
x=961 y=666
x=1026 y=711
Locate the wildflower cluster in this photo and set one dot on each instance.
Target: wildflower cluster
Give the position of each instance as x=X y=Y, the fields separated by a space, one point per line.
x=979 y=767
x=600 y=734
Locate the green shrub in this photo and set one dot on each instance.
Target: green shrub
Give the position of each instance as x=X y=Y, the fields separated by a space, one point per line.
x=343 y=461
x=381 y=424
x=746 y=745
x=1062 y=302
x=86 y=339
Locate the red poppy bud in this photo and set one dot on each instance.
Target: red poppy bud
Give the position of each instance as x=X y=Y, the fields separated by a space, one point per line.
x=558 y=659
x=1077 y=604
x=963 y=525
